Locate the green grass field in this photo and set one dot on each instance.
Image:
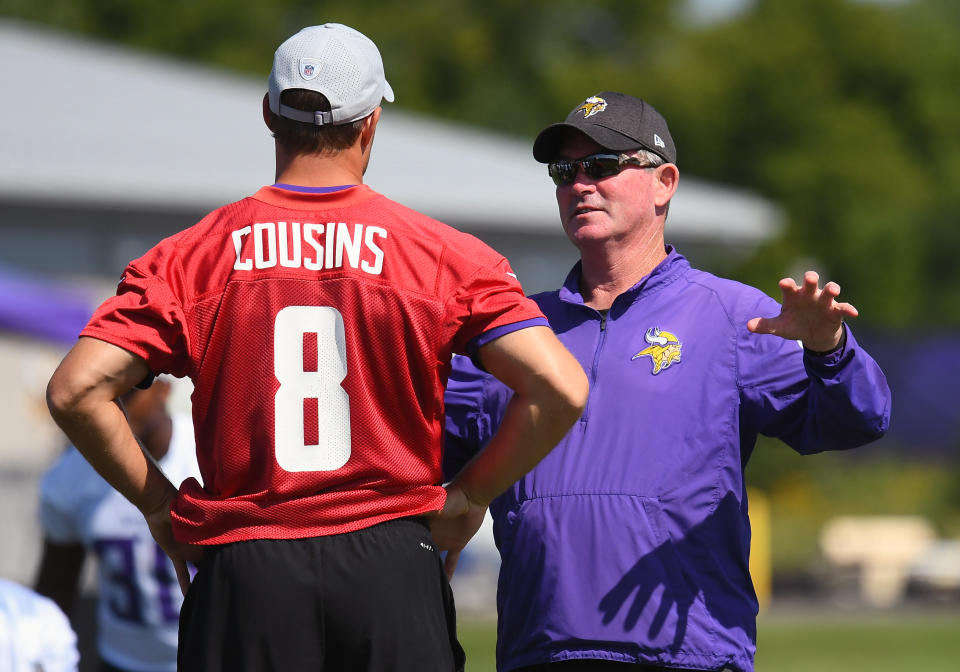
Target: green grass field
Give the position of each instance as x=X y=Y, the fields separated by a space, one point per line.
x=813 y=641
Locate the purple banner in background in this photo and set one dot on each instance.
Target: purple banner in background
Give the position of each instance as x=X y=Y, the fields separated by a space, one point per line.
x=33 y=306
x=923 y=370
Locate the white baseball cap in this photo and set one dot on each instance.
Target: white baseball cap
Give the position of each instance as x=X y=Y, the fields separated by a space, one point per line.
x=337 y=61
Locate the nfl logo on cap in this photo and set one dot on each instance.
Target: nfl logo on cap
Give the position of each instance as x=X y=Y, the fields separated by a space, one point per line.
x=309 y=69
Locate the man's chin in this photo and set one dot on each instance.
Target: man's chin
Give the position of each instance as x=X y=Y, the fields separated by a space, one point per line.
x=582 y=236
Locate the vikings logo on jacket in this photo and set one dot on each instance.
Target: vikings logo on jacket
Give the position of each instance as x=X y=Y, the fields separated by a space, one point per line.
x=591 y=106
x=664 y=349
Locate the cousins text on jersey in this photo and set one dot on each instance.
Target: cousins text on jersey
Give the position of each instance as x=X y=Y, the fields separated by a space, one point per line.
x=311 y=246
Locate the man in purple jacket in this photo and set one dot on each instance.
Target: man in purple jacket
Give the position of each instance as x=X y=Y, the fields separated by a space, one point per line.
x=628 y=546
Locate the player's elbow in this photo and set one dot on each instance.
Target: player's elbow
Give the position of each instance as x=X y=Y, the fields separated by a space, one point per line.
x=61 y=399
x=66 y=395
x=565 y=393
x=541 y=372
x=576 y=390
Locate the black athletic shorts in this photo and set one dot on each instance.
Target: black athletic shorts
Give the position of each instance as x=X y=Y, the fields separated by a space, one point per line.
x=374 y=600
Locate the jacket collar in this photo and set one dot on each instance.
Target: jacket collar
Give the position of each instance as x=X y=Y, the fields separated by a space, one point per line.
x=664 y=273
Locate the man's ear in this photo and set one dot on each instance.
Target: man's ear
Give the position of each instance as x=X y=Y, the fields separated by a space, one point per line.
x=369 y=129
x=668 y=177
x=267 y=114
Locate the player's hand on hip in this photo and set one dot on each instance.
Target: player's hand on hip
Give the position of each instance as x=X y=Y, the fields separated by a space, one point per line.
x=161 y=527
x=808 y=314
x=455 y=524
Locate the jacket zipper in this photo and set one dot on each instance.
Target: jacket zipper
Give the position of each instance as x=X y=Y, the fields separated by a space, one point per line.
x=595 y=368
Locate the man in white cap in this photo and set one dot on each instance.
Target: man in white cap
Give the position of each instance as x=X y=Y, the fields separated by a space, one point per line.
x=317 y=320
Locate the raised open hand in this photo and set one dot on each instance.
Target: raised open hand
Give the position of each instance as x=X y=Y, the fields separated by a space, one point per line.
x=808 y=314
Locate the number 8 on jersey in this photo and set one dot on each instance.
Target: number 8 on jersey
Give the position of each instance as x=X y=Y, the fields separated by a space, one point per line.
x=311 y=409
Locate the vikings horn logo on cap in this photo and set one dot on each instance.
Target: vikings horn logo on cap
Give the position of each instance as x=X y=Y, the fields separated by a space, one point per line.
x=591 y=106
x=664 y=349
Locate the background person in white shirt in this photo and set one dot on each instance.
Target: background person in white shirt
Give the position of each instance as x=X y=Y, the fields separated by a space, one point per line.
x=139 y=598
x=35 y=635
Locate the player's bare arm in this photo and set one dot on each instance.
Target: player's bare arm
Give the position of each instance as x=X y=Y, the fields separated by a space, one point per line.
x=550 y=392
x=809 y=314
x=82 y=397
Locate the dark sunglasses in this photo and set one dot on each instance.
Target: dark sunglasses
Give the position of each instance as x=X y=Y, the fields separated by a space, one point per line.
x=594 y=166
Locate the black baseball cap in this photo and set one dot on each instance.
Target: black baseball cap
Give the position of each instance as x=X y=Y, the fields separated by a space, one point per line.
x=614 y=121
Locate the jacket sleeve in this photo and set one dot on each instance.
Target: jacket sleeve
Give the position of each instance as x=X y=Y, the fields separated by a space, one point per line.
x=812 y=402
x=475 y=403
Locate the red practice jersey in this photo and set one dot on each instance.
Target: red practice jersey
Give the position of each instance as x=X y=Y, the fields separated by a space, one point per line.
x=318 y=331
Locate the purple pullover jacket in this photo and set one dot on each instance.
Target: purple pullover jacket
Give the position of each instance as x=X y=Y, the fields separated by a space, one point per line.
x=630 y=541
